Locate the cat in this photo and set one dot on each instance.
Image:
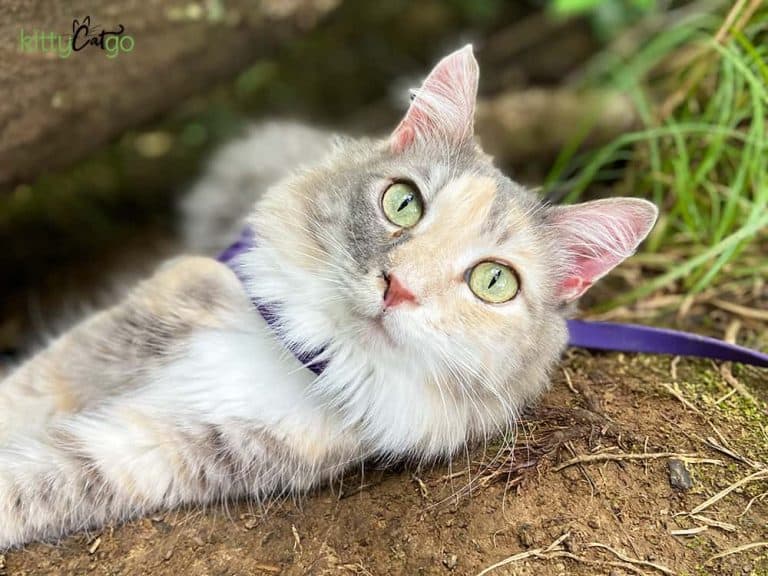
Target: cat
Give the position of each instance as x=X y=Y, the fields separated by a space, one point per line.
x=433 y=287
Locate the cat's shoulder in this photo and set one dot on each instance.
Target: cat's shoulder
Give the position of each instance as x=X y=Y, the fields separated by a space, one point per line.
x=193 y=287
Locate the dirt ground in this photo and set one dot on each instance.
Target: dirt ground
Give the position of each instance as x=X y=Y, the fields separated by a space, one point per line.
x=604 y=517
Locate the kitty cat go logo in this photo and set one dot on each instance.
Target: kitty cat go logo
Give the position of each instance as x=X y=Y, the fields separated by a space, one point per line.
x=84 y=35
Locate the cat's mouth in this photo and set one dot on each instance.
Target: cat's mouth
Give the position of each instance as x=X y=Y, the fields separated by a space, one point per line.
x=380 y=330
x=379 y=325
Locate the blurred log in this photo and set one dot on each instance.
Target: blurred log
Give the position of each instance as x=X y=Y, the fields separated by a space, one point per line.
x=55 y=110
x=522 y=125
x=536 y=50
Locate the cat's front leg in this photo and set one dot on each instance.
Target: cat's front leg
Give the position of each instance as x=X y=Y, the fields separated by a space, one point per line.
x=183 y=397
x=113 y=351
x=32 y=396
x=134 y=456
x=119 y=462
x=73 y=451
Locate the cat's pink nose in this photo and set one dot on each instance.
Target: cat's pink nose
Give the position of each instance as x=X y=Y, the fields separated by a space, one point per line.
x=396 y=292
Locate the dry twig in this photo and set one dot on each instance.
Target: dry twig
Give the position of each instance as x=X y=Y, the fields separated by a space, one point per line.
x=759 y=475
x=737 y=550
x=727 y=526
x=725 y=370
x=536 y=552
x=569 y=382
x=673 y=368
x=296 y=539
x=625 y=558
x=739 y=310
x=94 y=546
x=718 y=446
x=689 y=531
x=422 y=486
x=730 y=18
x=731 y=24
x=674 y=391
x=556 y=550
x=612 y=457
x=589 y=562
x=759 y=497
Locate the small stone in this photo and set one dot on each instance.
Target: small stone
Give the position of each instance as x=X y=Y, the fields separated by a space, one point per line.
x=525 y=535
x=594 y=524
x=449 y=561
x=679 y=477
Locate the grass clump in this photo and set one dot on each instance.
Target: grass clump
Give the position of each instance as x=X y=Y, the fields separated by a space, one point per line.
x=702 y=154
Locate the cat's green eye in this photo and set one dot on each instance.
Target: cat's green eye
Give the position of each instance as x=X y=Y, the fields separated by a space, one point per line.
x=493 y=282
x=402 y=204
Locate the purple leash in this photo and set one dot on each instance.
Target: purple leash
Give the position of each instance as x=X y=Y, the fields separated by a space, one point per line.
x=582 y=333
x=649 y=340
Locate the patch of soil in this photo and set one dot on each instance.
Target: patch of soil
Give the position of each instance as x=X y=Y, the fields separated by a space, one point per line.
x=496 y=502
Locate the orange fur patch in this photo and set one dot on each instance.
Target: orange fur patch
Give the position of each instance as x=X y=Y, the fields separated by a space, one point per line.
x=457 y=219
x=61 y=391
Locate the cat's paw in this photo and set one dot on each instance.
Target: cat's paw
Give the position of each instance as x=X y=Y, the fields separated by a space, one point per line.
x=11 y=528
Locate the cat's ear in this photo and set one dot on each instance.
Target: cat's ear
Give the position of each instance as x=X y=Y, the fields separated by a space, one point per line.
x=598 y=236
x=444 y=106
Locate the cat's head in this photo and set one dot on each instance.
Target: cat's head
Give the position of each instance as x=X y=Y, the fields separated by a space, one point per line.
x=418 y=251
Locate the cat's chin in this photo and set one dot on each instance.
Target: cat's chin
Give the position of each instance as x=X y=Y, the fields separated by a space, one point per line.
x=393 y=329
x=381 y=333
x=378 y=328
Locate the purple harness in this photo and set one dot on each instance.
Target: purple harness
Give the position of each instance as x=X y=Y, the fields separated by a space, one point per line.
x=582 y=333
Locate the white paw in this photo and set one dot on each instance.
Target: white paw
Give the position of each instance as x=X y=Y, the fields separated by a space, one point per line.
x=11 y=530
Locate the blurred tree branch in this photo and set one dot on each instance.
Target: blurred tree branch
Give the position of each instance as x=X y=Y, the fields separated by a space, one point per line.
x=519 y=125
x=56 y=110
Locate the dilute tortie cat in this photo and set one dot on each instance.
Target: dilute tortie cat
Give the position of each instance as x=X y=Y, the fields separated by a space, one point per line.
x=433 y=288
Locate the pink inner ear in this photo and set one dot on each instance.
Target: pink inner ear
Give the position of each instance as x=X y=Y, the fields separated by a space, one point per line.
x=598 y=236
x=401 y=138
x=444 y=105
x=585 y=271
